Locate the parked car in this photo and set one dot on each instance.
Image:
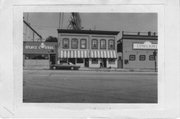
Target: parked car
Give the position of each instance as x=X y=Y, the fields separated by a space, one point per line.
x=65 y=65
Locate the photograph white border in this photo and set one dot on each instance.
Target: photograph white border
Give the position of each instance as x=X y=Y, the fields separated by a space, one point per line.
x=11 y=65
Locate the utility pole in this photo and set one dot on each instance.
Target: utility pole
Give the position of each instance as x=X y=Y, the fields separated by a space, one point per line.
x=59 y=20
x=155 y=59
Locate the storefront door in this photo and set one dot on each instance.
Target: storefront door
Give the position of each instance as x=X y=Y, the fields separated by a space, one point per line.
x=53 y=58
x=103 y=62
x=86 y=62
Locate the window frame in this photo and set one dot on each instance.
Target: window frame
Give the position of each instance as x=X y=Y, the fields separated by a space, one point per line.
x=140 y=58
x=101 y=43
x=111 y=62
x=151 y=59
x=130 y=57
x=93 y=62
x=63 y=43
x=79 y=59
x=81 y=43
x=73 y=40
x=92 y=46
x=111 y=48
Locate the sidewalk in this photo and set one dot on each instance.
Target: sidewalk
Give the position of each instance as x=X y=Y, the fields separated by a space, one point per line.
x=116 y=70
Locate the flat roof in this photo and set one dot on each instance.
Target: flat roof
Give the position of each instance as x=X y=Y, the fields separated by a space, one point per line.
x=88 y=32
x=140 y=37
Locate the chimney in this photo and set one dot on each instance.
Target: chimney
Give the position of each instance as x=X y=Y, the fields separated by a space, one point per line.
x=154 y=33
x=149 y=33
x=138 y=33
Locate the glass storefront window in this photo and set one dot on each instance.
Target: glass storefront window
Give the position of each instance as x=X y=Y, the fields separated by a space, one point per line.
x=94 y=61
x=36 y=56
x=79 y=60
x=74 y=43
x=65 y=43
x=103 y=44
x=111 y=61
x=94 y=44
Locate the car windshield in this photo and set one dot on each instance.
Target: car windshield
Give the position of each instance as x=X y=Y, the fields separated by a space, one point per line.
x=70 y=63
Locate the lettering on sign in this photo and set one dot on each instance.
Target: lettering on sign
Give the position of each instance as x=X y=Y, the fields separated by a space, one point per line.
x=41 y=46
x=145 y=45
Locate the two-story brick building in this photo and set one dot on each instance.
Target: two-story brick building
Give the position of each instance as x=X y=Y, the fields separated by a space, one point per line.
x=88 y=48
x=137 y=50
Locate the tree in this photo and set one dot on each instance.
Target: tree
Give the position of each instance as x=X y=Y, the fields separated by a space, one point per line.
x=51 y=39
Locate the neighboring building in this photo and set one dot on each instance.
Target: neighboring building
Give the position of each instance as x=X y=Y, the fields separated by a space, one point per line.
x=88 y=48
x=137 y=51
x=39 y=54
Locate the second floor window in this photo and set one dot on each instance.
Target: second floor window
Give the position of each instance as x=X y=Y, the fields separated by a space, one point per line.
x=103 y=44
x=65 y=43
x=111 y=44
x=83 y=43
x=74 y=43
x=94 y=44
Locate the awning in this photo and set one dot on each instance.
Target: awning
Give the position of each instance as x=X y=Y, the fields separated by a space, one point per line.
x=103 y=54
x=87 y=54
x=73 y=54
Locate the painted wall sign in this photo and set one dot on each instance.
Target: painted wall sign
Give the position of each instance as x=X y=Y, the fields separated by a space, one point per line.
x=39 y=47
x=145 y=45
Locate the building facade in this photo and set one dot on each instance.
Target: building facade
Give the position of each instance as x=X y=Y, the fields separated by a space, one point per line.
x=39 y=54
x=88 y=48
x=137 y=51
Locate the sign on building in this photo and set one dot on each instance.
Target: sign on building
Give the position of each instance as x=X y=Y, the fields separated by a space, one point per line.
x=145 y=45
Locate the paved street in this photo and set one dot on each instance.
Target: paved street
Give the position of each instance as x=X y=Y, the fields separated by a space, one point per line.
x=60 y=86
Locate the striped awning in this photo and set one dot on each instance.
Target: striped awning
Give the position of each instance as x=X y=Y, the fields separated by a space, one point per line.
x=87 y=54
x=73 y=54
x=103 y=54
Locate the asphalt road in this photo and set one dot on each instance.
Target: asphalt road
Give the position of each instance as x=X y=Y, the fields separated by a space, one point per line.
x=89 y=87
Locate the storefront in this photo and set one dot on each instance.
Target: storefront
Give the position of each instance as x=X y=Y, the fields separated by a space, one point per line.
x=88 y=48
x=138 y=51
x=39 y=54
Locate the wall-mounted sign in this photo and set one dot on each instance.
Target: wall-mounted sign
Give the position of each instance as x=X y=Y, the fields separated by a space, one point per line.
x=39 y=47
x=145 y=45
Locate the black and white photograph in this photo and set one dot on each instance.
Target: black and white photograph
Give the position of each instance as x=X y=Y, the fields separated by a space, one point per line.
x=90 y=59
x=77 y=57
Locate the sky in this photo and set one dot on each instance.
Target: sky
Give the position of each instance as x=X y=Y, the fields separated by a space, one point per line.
x=46 y=24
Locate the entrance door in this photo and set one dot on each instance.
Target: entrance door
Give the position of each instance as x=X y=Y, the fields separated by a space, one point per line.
x=53 y=58
x=86 y=62
x=104 y=62
x=120 y=62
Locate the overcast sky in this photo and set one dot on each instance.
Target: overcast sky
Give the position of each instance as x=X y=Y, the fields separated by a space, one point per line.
x=46 y=24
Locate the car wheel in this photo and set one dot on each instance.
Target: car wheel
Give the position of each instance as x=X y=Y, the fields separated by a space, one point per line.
x=72 y=68
x=54 y=68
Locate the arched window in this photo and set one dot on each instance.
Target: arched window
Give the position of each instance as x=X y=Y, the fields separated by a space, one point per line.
x=83 y=43
x=74 y=43
x=103 y=44
x=111 y=44
x=65 y=43
x=94 y=44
